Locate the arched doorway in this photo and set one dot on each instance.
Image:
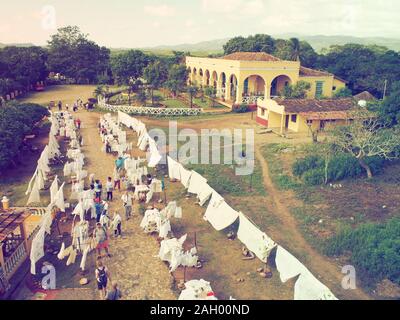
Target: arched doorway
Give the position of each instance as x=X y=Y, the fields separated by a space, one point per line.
x=253 y=88
x=233 y=87
x=278 y=84
x=214 y=79
x=200 y=77
x=222 y=79
x=207 y=78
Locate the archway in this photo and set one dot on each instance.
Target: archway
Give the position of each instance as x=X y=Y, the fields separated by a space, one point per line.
x=254 y=86
x=278 y=84
x=207 y=78
x=233 y=87
x=214 y=79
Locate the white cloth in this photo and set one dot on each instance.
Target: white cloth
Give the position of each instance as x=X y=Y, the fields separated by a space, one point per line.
x=287 y=265
x=255 y=240
x=60 y=198
x=174 y=169
x=185 y=176
x=37 y=249
x=205 y=194
x=54 y=190
x=308 y=287
x=197 y=183
x=219 y=213
x=197 y=290
x=34 y=197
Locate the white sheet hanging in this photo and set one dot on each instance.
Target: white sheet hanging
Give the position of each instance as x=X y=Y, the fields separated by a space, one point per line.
x=205 y=194
x=308 y=287
x=185 y=176
x=34 y=197
x=255 y=240
x=60 y=198
x=219 y=213
x=54 y=189
x=174 y=169
x=287 y=265
x=197 y=183
x=197 y=290
x=37 y=249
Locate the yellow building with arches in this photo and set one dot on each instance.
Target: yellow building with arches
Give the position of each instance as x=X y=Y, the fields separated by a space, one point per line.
x=245 y=77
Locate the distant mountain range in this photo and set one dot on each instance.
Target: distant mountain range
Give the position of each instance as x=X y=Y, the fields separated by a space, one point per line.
x=318 y=42
x=2 y=45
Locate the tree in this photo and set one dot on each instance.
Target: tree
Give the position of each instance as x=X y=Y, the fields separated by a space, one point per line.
x=192 y=91
x=210 y=93
x=155 y=74
x=256 y=43
x=295 y=47
x=343 y=93
x=141 y=98
x=129 y=65
x=389 y=109
x=366 y=137
x=296 y=91
x=76 y=57
x=177 y=78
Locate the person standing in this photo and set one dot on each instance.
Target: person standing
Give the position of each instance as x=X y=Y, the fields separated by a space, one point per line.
x=127 y=201
x=102 y=276
x=109 y=189
x=97 y=188
x=101 y=238
x=117 y=225
x=117 y=179
x=78 y=123
x=59 y=105
x=114 y=293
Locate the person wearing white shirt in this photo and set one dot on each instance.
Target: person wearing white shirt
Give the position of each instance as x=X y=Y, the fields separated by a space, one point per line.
x=109 y=189
x=127 y=201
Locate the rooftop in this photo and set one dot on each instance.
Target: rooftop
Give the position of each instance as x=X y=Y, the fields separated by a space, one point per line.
x=314 y=105
x=10 y=220
x=307 y=72
x=250 y=56
x=365 y=95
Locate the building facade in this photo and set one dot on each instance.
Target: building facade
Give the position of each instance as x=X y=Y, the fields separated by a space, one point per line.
x=247 y=77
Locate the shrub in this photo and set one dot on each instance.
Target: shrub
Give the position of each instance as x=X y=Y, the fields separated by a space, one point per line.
x=241 y=108
x=343 y=166
x=303 y=165
x=314 y=177
x=374 y=249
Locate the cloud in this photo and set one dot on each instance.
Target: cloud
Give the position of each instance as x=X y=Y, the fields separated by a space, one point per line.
x=237 y=7
x=160 y=10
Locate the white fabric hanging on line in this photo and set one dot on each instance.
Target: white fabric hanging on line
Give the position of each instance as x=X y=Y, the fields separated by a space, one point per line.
x=287 y=265
x=37 y=249
x=40 y=179
x=174 y=169
x=60 y=198
x=34 y=197
x=219 y=213
x=197 y=183
x=54 y=189
x=197 y=290
x=205 y=194
x=31 y=182
x=308 y=287
x=185 y=176
x=255 y=240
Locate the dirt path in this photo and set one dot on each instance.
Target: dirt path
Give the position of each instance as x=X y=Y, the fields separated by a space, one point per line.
x=321 y=266
x=133 y=263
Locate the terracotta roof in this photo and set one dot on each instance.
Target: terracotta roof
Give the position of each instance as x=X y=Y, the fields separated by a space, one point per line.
x=365 y=95
x=329 y=115
x=10 y=220
x=314 y=105
x=250 y=56
x=307 y=72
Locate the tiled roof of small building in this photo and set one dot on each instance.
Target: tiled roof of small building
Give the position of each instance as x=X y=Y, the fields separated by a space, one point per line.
x=307 y=72
x=365 y=95
x=250 y=56
x=314 y=105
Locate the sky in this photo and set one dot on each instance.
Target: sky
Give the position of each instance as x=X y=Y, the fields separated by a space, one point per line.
x=148 y=23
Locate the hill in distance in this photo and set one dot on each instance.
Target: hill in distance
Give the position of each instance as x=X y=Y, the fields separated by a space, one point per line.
x=318 y=42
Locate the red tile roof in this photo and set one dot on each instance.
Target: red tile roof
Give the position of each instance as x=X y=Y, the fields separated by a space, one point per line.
x=314 y=105
x=250 y=56
x=365 y=95
x=307 y=72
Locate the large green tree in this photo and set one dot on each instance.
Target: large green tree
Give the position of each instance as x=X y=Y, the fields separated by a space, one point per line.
x=155 y=75
x=177 y=78
x=129 y=65
x=72 y=54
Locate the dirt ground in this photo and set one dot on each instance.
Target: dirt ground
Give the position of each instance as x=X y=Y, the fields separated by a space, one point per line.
x=142 y=276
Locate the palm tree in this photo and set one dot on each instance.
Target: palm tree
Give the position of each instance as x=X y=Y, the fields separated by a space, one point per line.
x=99 y=91
x=295 y=43
x=192 y=91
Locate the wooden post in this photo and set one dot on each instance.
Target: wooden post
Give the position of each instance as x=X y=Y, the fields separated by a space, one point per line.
x=195 y=239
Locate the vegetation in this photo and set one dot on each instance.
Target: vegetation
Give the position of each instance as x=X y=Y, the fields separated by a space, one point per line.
x=374 y=249
x=296 y=91
x=343 y=93
x=16 y=121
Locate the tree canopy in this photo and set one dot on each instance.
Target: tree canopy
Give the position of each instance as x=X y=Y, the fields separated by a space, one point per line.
x=129 y=65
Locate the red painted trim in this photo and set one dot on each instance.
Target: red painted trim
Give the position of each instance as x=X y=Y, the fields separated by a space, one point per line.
x=262 y=121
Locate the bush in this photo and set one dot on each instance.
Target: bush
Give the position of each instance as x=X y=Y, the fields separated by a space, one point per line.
x=314 y=177
x=374 y=249
x=241 y=108
x=16 y=121
x=343 y=166
x=308 y=163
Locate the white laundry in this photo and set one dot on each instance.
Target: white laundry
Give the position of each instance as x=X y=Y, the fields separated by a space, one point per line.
x=197 y=290
x=308 y=287
x=255 y=240
x=37 y=249
x=34 y=197
x=197 y=183
x=219 y=213
x=154 y=159
x=205 y=194
x=60 y=254
x=84 y=258
x=287 y=265
x=31 y=182
x=178 y=213
x=174 y=169
x=54 y=189
x=185 y=176
x=78 y=210
x=165 y=228
x=60 y=198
